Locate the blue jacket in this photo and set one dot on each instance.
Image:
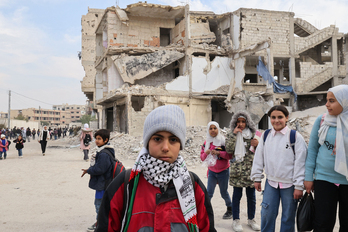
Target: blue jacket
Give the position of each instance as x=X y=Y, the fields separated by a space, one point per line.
x=320 y=162
x=101 y=170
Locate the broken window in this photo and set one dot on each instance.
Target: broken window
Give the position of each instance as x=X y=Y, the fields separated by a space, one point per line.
x=138 y=102
x=281 y=70
x=226 y=31
x=176 y=69
x=263 y=123
x=251 y=75
x=164 y=36
x=110 y=119
x=220 y=113
x=121 y=118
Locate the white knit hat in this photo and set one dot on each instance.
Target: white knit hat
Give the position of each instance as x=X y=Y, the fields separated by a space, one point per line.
x=3 y=136
x=169 y=118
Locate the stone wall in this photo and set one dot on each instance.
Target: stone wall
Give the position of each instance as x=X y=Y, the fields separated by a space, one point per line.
x=309 y=70
x=260 y=25
x=178 y=33
x=140 y=32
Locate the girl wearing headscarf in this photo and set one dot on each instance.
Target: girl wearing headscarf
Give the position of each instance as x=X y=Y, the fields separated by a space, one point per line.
x=238 y=142
x=326 y=163
x=219 y=173
x=85 y=147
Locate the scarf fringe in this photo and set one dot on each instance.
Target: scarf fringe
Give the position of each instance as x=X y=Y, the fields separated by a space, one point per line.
x=192 y=224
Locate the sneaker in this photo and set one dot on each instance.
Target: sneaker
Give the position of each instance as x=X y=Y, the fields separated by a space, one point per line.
x=253 y=225
x=43 y=154
x=228 y=214
x=92 y=227
x=236 y=226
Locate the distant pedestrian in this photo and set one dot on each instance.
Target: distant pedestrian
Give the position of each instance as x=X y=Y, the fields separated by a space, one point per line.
x=86 y=134
x=38 y=132
x=33 y=132
x=19 y=145
x=44 y=136
x=3 y=146
x=28 y=133
x=59 y=132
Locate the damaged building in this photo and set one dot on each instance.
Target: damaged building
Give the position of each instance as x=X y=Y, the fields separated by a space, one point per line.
x=148 y=55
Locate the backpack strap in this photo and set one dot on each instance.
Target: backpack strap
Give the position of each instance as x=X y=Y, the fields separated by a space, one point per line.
x=293 y=139
x=265 y=134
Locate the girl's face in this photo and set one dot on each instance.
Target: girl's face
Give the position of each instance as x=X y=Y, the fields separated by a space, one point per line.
x=278 y=120
x=241 y=123
x=332 y=105
x=213 y=131
x=19 y=137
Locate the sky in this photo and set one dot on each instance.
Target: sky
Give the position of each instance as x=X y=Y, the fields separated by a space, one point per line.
x=40 y=41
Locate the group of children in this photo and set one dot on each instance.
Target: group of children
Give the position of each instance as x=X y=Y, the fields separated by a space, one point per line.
x=160 y=194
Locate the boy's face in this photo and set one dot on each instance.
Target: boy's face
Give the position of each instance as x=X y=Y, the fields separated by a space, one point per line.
x=164 y=146
x=99 y=141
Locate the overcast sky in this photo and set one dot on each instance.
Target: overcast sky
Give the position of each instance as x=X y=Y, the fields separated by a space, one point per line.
x=40 y=40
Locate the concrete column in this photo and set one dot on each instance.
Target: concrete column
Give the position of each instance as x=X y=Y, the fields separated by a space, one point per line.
x=292 y=72
x=334 y=59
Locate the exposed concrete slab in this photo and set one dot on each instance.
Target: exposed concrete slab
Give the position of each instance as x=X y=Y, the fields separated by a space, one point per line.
x=122 y=15
x=133 y=68
x=155 y=10
x=200 y=33
x=206 y=75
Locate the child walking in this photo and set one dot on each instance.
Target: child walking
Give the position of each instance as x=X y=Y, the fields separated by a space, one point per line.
x=159 y=193
x=3 y=146
x=326 y=164
x=284 y=166
x=101 y=169
x=241 y=136
x=19 y=145
x=85 y=146
x=219 y=173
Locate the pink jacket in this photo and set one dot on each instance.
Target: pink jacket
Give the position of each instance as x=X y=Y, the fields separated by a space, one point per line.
x=2 y=146
x=82 y=136
x=222 y=162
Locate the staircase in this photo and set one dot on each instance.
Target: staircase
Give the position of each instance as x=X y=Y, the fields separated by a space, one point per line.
x=303 y=28
x=309 y=84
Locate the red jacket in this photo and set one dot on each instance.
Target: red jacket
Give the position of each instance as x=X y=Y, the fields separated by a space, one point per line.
x=2 y=146
x=153 y=207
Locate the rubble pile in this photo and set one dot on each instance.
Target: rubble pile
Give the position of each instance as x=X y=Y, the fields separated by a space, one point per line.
x=301 y=125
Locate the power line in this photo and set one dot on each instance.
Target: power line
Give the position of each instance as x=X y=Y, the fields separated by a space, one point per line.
x=31 y=98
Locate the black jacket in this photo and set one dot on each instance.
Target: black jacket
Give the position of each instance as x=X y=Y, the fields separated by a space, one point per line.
x=19 y=143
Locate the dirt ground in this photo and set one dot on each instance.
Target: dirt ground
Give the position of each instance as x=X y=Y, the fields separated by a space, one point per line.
x=47 y=193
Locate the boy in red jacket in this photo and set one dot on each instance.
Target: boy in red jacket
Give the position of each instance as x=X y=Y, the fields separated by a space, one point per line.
x=159 y=193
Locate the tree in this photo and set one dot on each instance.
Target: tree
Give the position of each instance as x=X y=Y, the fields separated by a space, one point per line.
x=22 y=117
x=44 y=123
x=87 y=118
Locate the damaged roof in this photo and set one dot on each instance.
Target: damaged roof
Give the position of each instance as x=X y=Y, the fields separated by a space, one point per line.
x=155 y=10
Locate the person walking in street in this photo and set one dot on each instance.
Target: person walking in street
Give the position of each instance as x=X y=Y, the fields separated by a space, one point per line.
x=33 y=132
x=19 y=145
x=28 y=134
x=44 y=136
x=85 y=139
x=3 y=146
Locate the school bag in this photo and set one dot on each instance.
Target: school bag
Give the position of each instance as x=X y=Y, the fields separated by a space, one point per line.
x=87 y=139
x=117 y=167
x=292 y=138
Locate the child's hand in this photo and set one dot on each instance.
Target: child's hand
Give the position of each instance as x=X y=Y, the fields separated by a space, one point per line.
x=254 y=142
x=214 y=152
x=207 y=152
x=258 y=186
x=298 y=194
x=236 y=130
x=84 y=171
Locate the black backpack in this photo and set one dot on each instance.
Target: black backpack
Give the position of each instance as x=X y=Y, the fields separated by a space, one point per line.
x=87 y=139
x=117 y=167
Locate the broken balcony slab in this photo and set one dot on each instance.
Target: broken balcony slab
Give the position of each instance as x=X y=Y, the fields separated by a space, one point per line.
x=200 y=33
x=155 y=10
x=133 y=68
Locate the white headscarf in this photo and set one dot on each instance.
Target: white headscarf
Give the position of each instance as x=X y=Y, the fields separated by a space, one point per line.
x=218 y=140
x=239 y=150
x=341 y=122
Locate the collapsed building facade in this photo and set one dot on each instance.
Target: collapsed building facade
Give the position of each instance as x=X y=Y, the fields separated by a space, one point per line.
x=147 y=55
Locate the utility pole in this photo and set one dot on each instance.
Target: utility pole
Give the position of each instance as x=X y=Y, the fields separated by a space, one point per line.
x=9 y=110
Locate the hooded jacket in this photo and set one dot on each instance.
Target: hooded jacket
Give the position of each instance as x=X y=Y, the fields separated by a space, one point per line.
x=240 y=172
x=101 y=170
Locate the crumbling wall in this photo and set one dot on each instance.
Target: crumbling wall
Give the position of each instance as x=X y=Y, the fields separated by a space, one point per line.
x=309 y=70
x=133 y=68
x=206 y=75
x=138 y=32
x=158 y=78
x=259 y=25
x=178 y=33
x=115 y=80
